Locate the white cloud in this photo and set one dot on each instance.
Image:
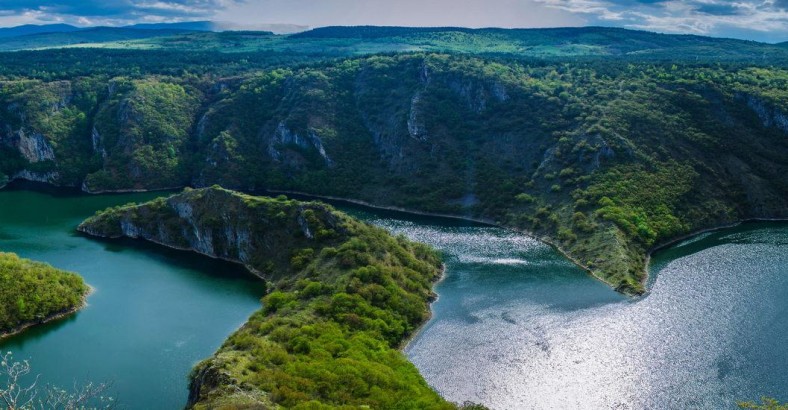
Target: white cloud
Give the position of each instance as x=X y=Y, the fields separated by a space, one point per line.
x=707 y=17
x=758 y=19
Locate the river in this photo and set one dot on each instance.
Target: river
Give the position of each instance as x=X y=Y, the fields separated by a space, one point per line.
x=516 y=325
x=154 y=313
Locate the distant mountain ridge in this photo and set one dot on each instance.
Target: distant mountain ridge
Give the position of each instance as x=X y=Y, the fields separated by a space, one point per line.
x=185 y=25
x=29 y=29
x=337 y=41
x=37 y=29
x=590 y=34
x=46 y=39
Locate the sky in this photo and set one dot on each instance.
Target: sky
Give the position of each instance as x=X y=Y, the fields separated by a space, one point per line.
x=762 y=20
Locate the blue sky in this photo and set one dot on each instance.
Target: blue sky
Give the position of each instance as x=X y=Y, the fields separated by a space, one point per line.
x=764 y=20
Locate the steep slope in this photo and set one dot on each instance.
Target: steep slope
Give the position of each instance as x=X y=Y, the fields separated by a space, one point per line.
x=345 y=295
x=605 y=160
x=34 y=292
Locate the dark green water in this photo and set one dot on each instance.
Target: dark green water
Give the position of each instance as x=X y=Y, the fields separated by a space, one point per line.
x=154 y=314
x=516 y=326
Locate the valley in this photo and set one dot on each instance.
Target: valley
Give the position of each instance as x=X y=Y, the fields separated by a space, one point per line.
x=522 y=218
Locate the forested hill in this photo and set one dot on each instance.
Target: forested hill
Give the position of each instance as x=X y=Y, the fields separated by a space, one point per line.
x=606 y=158
x=597 y=41
x=326 y=42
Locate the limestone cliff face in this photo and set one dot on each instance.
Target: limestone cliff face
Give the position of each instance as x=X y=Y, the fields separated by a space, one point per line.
x=260 y=233
x=33 y=146
x=284 y=137
x=769 y=115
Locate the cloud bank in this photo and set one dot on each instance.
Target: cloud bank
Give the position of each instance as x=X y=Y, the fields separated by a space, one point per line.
x=756 y=19
x=765 y=20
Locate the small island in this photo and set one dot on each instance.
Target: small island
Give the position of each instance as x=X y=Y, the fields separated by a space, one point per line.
x=32 y=293
x=343 y=298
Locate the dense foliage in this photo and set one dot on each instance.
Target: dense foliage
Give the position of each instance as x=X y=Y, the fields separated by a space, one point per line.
x=606 y=157
x=344 y=297
x=32 y=291
x=765 y=404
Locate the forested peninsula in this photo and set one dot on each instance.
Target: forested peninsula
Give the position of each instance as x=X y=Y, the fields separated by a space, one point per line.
x=343 y=298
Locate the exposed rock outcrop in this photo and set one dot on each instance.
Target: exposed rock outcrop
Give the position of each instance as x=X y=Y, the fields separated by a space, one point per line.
x=416 y=127
x=769 y=115
x=50 y=177
x=33 y=146
x=283 y=137
x=222 y=224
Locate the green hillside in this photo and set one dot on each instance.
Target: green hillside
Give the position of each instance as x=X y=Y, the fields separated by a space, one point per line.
x=604 y=159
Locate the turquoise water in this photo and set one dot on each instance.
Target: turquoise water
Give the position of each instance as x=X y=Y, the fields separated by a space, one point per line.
x=154 y=313
x=516 y=325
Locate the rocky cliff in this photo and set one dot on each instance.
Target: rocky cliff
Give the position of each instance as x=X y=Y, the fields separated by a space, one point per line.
x=257 y=232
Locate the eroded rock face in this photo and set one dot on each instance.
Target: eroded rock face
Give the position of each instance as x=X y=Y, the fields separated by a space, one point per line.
x=45 y=177
x=416 y=127
x=283 y=136
x=223 y=224
x=33 y=146
x=769 y=115
x=98 y=143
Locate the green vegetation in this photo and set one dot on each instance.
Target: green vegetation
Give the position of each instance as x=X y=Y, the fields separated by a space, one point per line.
x=606 y=156
x=578 y=43
x=765 y=404
x=31 y=292
x=344 y=297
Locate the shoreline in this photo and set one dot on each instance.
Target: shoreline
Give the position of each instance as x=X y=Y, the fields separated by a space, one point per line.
x=50 y=318
x=248 y=268
x=129 y=191
x=488 y=222
x=483 y=221
x=541 y=238
x=406 y=341
x=656 y=248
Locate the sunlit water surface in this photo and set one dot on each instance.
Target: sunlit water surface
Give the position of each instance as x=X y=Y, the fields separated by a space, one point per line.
x=517 y=326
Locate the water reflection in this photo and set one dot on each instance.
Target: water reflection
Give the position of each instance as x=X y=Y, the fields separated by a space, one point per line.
x=517 y=327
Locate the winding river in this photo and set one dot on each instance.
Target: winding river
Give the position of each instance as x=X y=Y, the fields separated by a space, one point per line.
x=154 y=313
x=516 y=325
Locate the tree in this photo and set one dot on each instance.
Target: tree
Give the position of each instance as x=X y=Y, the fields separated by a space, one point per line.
x=766 y=404
x=16 y=394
